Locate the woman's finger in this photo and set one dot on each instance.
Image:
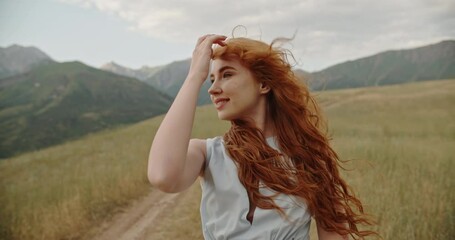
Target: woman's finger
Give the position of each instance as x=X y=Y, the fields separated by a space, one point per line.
x=201 y=39
x=214 y=39
x=220 y=42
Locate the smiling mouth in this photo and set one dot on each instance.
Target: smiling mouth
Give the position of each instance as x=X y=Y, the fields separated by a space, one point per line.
x=220 y=103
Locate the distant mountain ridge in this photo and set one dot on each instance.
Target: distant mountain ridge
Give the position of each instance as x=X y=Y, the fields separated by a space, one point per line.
x=16 y=59
x=432 y=62
x=60 y=101
x=167 y=79
x=170 y=78
x=142 y=73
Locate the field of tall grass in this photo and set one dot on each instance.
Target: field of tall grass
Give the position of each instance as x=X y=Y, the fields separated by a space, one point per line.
x=399 y=141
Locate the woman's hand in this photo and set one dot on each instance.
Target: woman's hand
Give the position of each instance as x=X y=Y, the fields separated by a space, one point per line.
x=202 y=54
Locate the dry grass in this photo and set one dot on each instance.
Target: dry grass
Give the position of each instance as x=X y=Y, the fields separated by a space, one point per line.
x=399 y=142
x=399 y=139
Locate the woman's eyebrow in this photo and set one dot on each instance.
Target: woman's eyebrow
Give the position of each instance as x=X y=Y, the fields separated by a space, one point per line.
x=222 y=69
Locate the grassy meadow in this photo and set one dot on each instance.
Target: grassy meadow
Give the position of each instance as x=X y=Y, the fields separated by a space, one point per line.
x=399 y=141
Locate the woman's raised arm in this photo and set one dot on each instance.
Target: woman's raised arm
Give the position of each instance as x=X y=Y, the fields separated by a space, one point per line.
x=174 y=163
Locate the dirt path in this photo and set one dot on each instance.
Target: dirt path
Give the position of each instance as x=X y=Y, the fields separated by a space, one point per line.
x=133 y=222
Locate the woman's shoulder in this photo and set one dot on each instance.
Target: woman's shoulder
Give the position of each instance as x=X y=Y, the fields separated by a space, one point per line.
x=215 y=150
x=213 y=140
x=207 y=146
x=212 y=144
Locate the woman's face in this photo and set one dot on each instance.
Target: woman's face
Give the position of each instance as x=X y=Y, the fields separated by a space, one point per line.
x=234 y=91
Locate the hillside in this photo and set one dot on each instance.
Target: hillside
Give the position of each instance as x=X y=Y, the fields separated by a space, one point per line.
x=62 y=101
x=395 y=152
x=167 y=79
x=16 y=59
x=170 y=78
x=432 y=62
x=400 y=166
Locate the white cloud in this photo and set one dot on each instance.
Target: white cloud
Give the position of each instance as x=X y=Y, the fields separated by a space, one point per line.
x=329 y=31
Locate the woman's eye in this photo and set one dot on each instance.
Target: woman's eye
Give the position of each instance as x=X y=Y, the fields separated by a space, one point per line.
x=212 y=80
x=226 y=75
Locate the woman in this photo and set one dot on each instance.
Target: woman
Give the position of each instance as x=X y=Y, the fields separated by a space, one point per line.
x=273 y=169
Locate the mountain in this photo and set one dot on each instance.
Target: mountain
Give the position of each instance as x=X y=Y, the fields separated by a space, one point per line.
x=61 y=101
x=170 y=78
x=16 y=59
x=167 y=79
x=302 y=75
x=432 y=62
x=141 y=73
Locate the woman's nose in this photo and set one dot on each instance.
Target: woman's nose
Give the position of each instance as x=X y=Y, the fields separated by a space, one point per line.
x=214 y=89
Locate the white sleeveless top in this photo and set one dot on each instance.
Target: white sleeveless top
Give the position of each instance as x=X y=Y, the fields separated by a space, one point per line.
x=225 y=204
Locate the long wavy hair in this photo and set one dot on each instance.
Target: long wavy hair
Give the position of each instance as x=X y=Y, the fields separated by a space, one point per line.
x=307 y=166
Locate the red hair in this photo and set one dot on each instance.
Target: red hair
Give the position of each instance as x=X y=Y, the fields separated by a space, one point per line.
x=307 y=166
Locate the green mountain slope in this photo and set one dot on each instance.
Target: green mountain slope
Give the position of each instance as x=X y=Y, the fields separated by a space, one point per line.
x=436 y=61
x=61 y=101
x=170 y=78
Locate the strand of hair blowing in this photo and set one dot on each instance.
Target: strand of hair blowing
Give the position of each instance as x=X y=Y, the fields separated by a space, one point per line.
x=307 y=166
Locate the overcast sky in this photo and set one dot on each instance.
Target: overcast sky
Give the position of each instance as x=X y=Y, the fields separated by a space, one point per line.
x=134 y=33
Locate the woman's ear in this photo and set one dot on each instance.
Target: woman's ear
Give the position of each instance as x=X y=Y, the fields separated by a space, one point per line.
x=264 y=88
